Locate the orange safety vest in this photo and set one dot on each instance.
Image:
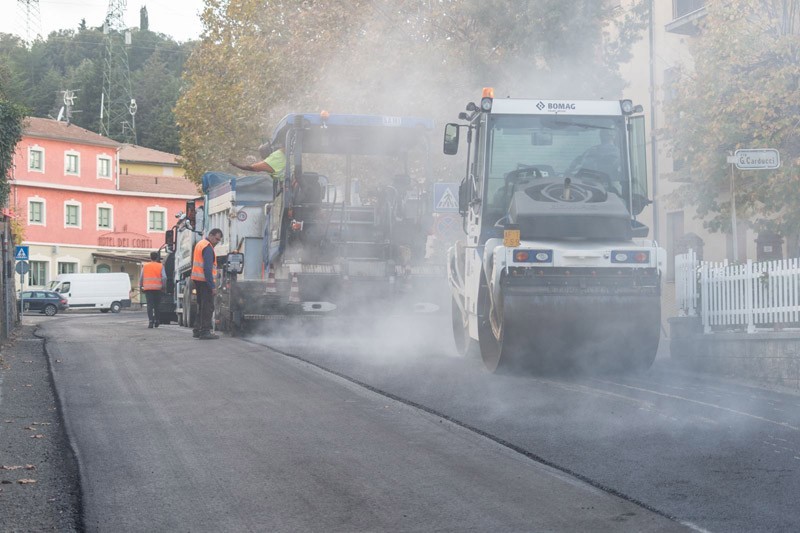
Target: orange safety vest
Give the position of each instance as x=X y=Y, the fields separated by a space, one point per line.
x=151 y=276
x=198 y=274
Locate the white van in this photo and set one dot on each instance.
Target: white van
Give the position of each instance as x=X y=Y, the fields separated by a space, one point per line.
x=109 y=291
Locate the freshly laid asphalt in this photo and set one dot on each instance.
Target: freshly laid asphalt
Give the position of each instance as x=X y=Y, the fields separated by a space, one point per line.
x=177 y=434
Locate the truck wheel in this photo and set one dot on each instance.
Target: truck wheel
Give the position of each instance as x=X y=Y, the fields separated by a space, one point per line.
x=499 y=344
x=465 y=345
x=116 y=307
x=188 y=310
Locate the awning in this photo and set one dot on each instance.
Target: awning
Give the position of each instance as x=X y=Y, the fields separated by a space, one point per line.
x=124 y=257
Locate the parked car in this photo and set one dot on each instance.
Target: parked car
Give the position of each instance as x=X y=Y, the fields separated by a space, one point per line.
x=47 y=302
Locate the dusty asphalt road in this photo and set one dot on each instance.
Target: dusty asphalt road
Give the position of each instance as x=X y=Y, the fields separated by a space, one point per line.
x=214 y=437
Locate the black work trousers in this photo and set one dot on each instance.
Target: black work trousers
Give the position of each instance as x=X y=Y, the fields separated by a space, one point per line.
x=153 y=299
x=205 y=307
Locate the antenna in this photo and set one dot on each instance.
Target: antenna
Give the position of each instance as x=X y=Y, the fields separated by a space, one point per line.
x=117 y=113
x=66 y=110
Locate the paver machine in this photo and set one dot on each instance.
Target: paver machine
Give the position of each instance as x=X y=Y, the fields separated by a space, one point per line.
x=345 y=231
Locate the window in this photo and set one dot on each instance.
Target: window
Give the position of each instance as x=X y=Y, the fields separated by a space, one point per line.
x=36 y=159
x=156 y=219
x=684 y=7
x=37 y=276
x=72 y=164
x=103 y=268
x=67 y=268
x=72 y=215
x=104 y=220
x=103 y=167
x=36 y=212
x=672 y=78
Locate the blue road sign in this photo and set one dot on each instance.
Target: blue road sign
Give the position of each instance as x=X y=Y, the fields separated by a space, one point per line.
x=445 y=197
x=21 y=253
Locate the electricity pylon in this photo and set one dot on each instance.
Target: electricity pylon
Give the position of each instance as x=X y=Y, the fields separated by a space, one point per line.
x=118 y=112
x=29 y=12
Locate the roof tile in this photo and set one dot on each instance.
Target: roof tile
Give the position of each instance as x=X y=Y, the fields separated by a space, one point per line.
x=140 y=154
x=54 y=129
x=158 y=185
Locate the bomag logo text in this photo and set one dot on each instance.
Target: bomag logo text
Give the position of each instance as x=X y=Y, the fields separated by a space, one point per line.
x=560 y=106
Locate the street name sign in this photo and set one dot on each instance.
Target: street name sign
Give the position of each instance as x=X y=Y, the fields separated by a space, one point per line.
x=757 y=159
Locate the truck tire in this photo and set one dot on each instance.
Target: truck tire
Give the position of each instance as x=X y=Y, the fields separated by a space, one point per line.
x=501 y=344
x=465 y=345
x=116 y=307
x=189 y=309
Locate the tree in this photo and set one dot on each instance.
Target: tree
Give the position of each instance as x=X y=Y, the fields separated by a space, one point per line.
x=257 y=62
x=156 y=90
x=741 y=93
x=11 y=117
x=74 y=60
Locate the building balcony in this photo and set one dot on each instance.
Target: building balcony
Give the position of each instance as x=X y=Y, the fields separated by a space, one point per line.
x=685 y=16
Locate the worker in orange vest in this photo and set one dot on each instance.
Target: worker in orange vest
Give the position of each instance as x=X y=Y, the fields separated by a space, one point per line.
x=204 y=275
x=152 y=281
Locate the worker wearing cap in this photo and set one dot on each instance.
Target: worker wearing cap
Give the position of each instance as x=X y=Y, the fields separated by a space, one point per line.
x=152 y=281
x=204 y=275
x=274 y=162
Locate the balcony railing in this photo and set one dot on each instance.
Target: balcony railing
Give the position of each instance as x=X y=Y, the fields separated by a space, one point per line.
x=685 y=14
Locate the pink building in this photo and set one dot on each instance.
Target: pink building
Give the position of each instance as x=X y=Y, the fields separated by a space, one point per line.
x=79 y=213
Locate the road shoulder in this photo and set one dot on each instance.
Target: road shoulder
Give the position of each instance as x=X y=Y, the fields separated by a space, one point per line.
x=39 y=487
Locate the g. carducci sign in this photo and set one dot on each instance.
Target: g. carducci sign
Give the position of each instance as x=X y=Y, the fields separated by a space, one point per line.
x=756 y=159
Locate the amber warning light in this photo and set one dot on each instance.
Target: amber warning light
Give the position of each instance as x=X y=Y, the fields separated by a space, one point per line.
x=486 y=99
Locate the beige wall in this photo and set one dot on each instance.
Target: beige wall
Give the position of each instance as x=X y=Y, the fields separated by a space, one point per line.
x=149 y=169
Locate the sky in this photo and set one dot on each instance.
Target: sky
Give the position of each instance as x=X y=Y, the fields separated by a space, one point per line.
x=179 y=19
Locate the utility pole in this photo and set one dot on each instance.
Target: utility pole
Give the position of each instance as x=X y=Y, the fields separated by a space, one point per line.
x=118 y=107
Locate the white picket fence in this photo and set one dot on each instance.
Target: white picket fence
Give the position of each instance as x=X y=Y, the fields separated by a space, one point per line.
x=744 y=296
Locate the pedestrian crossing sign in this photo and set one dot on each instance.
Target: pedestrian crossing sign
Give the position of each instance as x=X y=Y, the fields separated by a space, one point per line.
x=445 y=197
x=21 y=253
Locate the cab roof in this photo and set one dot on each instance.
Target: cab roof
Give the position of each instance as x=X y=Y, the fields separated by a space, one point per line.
x=356 y=134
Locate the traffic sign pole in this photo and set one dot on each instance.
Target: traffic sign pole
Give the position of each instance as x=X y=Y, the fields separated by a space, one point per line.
x=734 y=231
x=748 y=159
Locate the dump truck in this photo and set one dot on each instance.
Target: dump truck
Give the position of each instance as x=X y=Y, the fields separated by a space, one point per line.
x=344 y=232
x=237 y=206
x=555 y=270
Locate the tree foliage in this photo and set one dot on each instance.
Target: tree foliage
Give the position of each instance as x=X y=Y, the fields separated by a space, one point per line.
x=258 y=61
x=36 y=75
x=741 y=93
x=11 y=117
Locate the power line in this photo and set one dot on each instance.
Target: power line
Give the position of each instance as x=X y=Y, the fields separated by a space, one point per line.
x=118 y=107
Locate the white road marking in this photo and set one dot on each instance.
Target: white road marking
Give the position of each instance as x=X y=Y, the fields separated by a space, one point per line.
x=705 y=404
